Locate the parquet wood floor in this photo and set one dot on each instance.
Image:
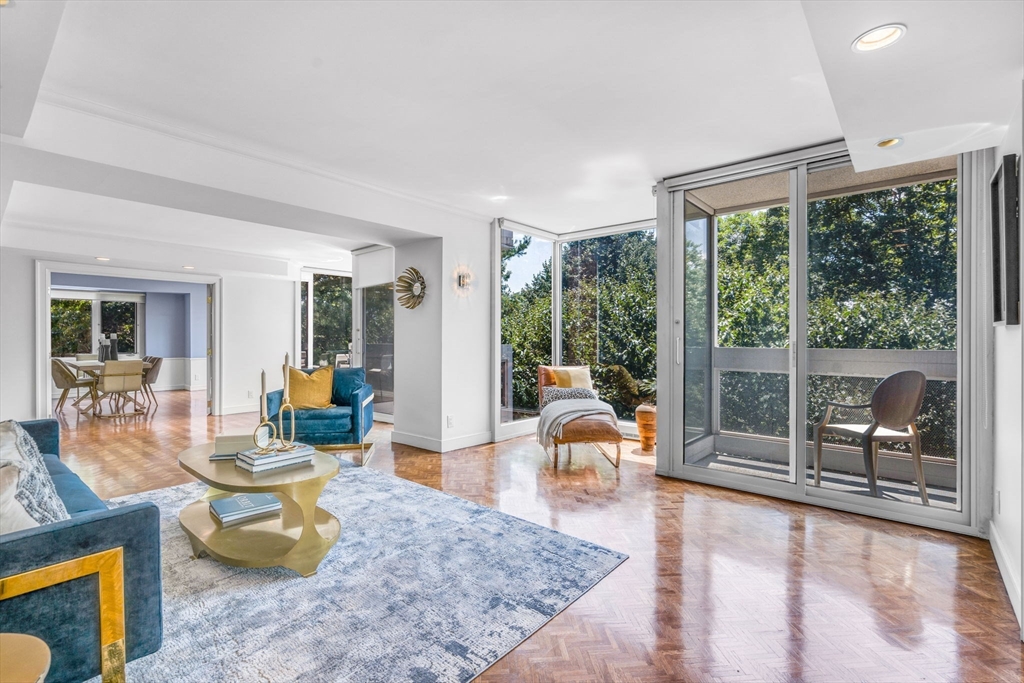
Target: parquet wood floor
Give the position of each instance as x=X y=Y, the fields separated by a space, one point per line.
x=720 y=585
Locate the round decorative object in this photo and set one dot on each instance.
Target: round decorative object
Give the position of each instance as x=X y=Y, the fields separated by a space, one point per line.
x=411 y=288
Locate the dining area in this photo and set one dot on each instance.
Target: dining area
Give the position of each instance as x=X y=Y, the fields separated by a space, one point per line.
x=106 y=389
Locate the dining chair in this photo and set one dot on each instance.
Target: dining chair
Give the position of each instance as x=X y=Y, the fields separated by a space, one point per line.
x=66 y=380
x=150 y=376
x=895 y=405
x=121 y=378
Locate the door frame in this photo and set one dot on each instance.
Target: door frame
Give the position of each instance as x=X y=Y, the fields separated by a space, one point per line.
x=971 y=518
x=45 y=268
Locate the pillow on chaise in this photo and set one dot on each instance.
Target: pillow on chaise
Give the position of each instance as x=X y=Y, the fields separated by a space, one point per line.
x=573 y=376
x=27 y=494
x=552 y=394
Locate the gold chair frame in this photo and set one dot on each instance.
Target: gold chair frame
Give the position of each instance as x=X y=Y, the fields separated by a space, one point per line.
x=109 y=565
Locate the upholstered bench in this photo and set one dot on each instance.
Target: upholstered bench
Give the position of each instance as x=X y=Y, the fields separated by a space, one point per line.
x=593 y=429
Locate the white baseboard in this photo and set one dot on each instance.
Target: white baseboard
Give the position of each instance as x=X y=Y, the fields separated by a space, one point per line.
x=438 y=445
x=1009 y=574
x=425 y=442
x=253 y=407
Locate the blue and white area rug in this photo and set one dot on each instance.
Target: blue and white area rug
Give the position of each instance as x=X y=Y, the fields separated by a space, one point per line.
x=421 y=586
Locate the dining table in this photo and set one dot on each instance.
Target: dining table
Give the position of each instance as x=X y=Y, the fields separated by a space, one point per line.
x=95 y=367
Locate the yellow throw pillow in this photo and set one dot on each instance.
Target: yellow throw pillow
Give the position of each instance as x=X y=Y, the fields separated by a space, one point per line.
x=573 y=377
x=311 y=391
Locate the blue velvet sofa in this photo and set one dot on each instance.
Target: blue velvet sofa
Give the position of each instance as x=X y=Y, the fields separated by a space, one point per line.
x=66 y=616
x=348 y=422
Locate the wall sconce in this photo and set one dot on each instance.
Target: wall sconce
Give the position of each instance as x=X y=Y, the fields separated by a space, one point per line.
x=463 y=281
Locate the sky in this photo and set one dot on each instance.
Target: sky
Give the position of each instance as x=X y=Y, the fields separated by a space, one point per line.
x=524 y=267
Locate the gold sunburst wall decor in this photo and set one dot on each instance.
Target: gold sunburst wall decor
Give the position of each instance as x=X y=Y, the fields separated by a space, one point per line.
x=411 y=288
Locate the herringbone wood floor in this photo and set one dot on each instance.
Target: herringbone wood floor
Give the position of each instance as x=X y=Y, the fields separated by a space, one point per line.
x=720 y=585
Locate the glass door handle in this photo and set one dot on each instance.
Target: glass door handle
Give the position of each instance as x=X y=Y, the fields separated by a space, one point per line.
x=679 y=360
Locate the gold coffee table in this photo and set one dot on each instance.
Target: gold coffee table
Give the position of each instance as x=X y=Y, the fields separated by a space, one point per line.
x=298 y=539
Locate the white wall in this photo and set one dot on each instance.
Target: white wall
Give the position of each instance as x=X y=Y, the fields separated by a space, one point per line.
x=257 y=329
x=1007 y=527
x=17 y=335
x=418 y=355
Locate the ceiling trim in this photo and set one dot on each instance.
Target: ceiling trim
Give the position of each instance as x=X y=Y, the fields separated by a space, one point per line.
x=120 y=116
x=755 y=167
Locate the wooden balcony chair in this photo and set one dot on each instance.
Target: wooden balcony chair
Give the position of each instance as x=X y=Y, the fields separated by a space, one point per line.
x=895 y=405
x=593 y=429
x=66 y=380
x=121 y=379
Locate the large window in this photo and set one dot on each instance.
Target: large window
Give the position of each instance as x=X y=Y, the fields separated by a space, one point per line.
x=609 y=317
x=331 y=321
x=79 y=317
x=606 y=317
x=525 y=321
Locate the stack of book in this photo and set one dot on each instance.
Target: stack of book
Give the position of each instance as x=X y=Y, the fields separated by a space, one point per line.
x=254 y=461
x=245 y=507
x=226 y=446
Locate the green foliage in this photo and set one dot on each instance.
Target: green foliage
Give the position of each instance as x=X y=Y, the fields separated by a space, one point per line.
x=119 y=317
x=379 y=306
x=526 y=325
x=70 y=327
x=332 y=316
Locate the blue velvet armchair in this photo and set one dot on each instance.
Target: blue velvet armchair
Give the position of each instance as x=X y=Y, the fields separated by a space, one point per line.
x=345 y=424
x=66 y=615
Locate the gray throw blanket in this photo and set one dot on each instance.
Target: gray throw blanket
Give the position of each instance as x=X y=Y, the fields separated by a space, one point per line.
x=558 y=413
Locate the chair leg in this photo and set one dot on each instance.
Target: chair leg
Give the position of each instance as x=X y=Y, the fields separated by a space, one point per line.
x=60 y=401
x=869 y=467
x=568 y=448
x=915 y=450
x=817 y=456
x=555 y=459
x=618 y=454
x=874 y=455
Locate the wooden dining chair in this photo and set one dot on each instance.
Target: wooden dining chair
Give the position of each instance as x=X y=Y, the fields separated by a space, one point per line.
x=895 y=405
x=119 y=380
x=66 y=380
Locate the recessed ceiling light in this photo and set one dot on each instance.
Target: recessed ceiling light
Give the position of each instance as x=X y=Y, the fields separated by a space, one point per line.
x=879 y=37
x=189 y=267
x=102 y=258
x=498 y=199
x=887 y=143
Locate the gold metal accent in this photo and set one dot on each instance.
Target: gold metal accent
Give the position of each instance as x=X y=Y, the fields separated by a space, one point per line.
x=299 y=538
x=289 y=445
x=269 y=448
x=411 y=288
x=109 y=565
x=888 y=142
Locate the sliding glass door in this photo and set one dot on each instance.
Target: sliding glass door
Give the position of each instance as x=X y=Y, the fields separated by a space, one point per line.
x=737 y=332
x=379 y=345
x=801 y=289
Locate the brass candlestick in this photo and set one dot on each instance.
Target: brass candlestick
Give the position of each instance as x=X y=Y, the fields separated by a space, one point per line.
x=288 y=445
x=269 y=448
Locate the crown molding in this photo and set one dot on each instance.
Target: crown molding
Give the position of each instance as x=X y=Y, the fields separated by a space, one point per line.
x=238 y=148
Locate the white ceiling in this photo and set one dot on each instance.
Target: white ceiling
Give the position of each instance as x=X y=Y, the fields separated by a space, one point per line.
x=104 y=216
x=571 y=110
x=950 y=85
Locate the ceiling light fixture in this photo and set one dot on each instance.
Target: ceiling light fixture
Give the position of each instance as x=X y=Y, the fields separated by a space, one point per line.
x=189 y=267
x=498 y=199
x=888 y=143
x=102 y=258
x=879 y=37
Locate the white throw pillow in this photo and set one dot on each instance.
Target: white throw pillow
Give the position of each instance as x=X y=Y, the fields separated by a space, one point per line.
x=33 y=487
x=13 y=515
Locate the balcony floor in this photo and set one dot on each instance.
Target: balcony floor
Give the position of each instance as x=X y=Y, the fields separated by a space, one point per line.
x=837 y=481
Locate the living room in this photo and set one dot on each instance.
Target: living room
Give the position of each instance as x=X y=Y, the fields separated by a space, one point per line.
x=478 y=248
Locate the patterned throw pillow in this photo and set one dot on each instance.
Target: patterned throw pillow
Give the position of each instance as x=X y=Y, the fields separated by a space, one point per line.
x=552 y=394
x=30 y=492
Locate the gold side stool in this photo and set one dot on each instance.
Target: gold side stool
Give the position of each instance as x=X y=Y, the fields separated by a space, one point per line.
x=23 y=658
x=109 y=565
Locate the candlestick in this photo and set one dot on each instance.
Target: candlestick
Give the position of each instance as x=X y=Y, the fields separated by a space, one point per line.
x=263 y=394
x=287 y=372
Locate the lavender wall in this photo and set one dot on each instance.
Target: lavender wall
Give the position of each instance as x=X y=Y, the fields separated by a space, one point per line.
x=175 y=311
